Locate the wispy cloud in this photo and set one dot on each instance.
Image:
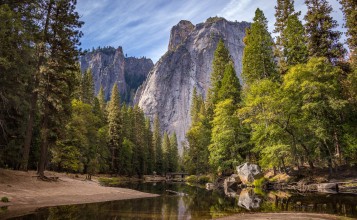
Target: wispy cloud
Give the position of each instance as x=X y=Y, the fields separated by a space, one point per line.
x=142 y=27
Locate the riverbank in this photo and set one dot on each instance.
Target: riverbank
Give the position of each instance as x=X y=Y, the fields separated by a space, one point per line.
x=284 y=216
x=26 y=193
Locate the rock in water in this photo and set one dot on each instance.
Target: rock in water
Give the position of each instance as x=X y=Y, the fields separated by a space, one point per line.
x=248 y=172
x=248 y=199
x=167 y=92
x=109 y=66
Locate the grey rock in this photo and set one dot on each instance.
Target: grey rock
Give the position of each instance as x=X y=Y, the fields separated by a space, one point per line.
x=109 y=66
x=210 y=186
x=248 y=199
x=167 y=92
x=248 y=172
x=230 y=185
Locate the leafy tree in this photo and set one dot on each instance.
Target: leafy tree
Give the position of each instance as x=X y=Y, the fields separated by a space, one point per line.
x=323 y=40
x=258 y=57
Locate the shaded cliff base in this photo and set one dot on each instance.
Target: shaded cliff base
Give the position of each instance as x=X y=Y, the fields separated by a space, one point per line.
x=26 y=193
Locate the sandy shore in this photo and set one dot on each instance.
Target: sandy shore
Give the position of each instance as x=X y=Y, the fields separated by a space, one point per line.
x=284 y=216
x=26 y=193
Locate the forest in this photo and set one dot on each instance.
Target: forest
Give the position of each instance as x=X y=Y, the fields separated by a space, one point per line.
x=297 y=104
x=49 y=115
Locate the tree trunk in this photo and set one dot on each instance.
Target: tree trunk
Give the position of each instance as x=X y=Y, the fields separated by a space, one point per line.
x=44 y=142
x=29 y=131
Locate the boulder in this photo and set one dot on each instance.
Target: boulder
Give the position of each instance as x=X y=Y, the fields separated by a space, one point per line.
x=210 y=186
x=249 y=172
x=230 y=185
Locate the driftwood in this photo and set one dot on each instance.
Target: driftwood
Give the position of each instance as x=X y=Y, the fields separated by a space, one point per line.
x=177 y=193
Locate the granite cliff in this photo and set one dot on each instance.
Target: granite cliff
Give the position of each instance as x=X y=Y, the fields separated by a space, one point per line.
x=187 y=64
x=109 y=66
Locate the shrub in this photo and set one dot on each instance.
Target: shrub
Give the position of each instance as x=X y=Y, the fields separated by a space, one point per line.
x=259 y=182
x=191 y=179
x=203 y=179
x=5 y=199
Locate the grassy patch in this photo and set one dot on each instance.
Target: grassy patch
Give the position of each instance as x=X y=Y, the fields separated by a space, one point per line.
x=114 y=181
x=259 y=183
x=203 y=179
x=5 y=199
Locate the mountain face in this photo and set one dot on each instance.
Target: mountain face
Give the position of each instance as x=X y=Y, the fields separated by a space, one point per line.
x=109 y=66
x=167 y=92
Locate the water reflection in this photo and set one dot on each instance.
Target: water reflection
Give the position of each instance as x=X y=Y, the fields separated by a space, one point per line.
x=200 y=204
x=248 y=199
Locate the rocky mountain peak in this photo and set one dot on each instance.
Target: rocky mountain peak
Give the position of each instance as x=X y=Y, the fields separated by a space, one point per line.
x=179 y=33
x=167 y=92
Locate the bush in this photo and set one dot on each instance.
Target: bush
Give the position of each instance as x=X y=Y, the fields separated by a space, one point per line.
x=259 y=182
x=203 y=179
x=191 y=179
x=5 y=199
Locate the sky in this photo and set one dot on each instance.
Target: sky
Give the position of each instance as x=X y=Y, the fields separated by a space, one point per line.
x=142 y=27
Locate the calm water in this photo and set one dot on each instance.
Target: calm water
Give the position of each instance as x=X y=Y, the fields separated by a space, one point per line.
x=198 y=203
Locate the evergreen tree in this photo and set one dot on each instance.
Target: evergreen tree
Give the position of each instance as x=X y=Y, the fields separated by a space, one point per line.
x=166 y=152
x=15 y=75
x=198 y=137
x=258 y=59
x=150 y=147
x=173 y=156
x=349 y=8
x=220 y=59
x=323 y=40
x=283 y=10
x=157 y=146
x=101 y=99
x=230 y=88
x=295 y=49
x=225 y=143
x=114 y=127
x=87 y=87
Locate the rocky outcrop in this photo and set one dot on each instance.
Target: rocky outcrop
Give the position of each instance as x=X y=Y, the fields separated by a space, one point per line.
x=188 y=63
x=248 y=172
x=109 y=66
x=179 y=33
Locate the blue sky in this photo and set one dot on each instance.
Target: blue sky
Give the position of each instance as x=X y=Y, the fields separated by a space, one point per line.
x=142 y=27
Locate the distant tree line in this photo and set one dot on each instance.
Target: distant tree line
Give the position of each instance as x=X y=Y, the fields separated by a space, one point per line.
x=297 y=105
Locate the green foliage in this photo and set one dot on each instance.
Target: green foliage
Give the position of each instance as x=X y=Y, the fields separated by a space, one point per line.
x=258 y=58
x=230 y=88
x=323 y=39
x=220 y=60
x=198 y=137
x=350 y=14
x=157 y=146
x=5 y=199
x=201 y=179
x=259 y=183
x=225 y=144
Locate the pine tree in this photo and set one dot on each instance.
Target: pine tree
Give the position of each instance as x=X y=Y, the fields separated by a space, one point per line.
x=150 y=147
x=220 y=59
x=323 y=40
x=258 y=58
x=283 y=10
x=114 y=127
x=58 y=54
x=174 y=156
x=349 y=8
x=295 y=49
x=230 y=88
x=87 y=87
x=157 y=146
x=101 y=99
x=166 y=152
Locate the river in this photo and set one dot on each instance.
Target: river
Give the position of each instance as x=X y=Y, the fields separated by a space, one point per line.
x=194 y=202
